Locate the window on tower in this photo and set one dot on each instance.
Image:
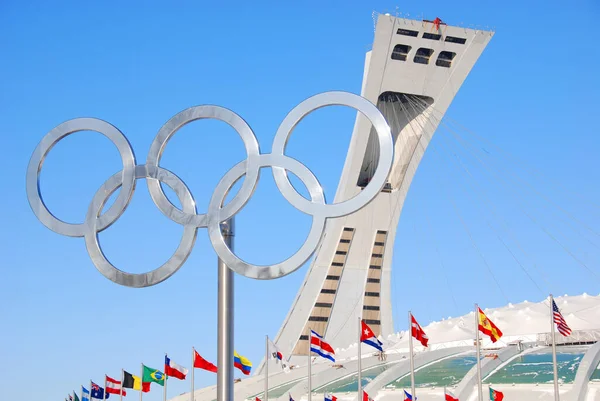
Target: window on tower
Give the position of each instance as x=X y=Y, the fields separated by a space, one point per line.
x=400 y=52
x=423 y=55
x=445 y=59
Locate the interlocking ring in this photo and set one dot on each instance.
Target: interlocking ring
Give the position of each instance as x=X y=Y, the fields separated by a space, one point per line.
x=217 y=212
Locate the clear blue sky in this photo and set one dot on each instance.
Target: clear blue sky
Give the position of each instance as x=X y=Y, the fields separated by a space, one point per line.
x=534 y=93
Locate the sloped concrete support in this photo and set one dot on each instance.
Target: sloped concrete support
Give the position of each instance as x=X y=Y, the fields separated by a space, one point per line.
x=402 y=368
x=468 y=383
x=586 y=369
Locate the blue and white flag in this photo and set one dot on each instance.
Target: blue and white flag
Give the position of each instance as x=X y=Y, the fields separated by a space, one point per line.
x=85 y=394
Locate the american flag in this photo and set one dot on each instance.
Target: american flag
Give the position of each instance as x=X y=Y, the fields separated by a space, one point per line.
x=561 y=324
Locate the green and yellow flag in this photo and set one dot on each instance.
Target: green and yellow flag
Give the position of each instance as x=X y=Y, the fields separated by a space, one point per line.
x=153 y=375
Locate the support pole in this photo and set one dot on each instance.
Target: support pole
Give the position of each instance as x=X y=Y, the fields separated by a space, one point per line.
x=309 y=367
x=554 y=364
x=266 y=395
x=479 y=388
x=193 y=368
x=141 y=381
x=359 y=359
x=104 y=393
x=412 y=359
x=122 y=380
x=165 y=386
x=225 y=321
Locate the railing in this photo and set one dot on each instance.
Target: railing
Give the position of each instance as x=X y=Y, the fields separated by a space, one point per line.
x=577 y=337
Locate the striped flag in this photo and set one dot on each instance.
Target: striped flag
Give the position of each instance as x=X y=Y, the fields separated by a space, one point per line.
x=561 y=324
x=320 y=347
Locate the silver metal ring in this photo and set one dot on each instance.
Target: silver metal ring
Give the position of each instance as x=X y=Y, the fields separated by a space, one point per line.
x=309 y=246
x=251 y=163
x=127 y=175
x=386 y=155
x=217 y=212
x=181 y=253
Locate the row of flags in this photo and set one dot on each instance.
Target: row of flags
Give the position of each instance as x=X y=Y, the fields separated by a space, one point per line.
x=150 y=375
x=318 y=346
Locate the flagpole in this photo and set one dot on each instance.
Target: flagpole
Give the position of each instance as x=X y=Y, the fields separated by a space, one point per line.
x=266 y=395
x=553 y=334
x=166 y=378
x=122 y=380
x=309 y=367
x=479 y=388
x=193 y=368
x=141 y=380
x=225 y=321
x=104 y=395
x=359 y=359
x=412 y=361
x=90 y=397
x=82 y=393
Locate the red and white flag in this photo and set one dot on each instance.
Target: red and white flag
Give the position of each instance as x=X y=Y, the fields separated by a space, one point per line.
x=417 y=332
x=174 y=370
x=114 y=386
x=366 y=396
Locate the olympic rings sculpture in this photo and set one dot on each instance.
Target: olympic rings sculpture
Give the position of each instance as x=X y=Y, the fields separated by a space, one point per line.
x=217 y=212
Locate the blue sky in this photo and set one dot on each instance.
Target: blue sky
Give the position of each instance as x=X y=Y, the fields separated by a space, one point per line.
x=533 y=93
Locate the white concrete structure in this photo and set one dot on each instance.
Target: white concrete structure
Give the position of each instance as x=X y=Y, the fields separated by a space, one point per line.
x=413 y=67
x=413 y=71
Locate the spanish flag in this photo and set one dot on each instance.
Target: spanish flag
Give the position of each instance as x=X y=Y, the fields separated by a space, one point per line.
x=242 y=363
x=487 y=327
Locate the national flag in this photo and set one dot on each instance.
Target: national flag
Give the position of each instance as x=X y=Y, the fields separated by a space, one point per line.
x=257 y=399
x=449 y=396
x=202 y=363
x=407 y=396
x=561 y=323
x=97 y=392
x=70 y=397
x=85 y=394
x=174 y=370
x=330 y=397
x=487 y=327
x=75 y=397
x=153 y=376
x=368 y=337
x=291 y=399
x=278 y=356
x=134 y=382
x=113 y=386
x=242 y=363
x=496 y=395
x=366 y=396
x=320 y=347
x=417 y=332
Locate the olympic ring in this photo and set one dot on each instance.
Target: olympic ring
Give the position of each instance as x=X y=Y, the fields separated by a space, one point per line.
x=217 y=212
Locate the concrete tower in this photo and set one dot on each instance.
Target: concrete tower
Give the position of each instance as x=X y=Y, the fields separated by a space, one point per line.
x=412 y=73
